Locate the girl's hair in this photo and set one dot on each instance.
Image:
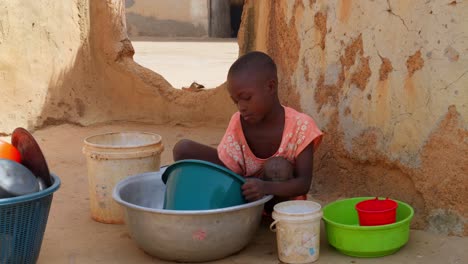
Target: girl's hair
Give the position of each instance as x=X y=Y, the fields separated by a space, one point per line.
x=254 y=61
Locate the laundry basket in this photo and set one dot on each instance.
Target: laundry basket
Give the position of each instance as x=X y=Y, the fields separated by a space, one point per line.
x=23 y=220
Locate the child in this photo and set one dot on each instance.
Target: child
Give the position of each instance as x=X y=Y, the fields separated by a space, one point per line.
x=271 y=144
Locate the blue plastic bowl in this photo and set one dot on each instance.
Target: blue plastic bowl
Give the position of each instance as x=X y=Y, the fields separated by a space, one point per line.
x=201 y=185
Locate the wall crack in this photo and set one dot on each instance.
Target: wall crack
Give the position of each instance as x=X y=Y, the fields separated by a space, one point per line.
x=456 y=80
x=390 y=10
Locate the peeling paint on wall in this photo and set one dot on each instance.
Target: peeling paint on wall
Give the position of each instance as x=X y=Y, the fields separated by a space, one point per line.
x=414 y=63
x=320 y=21
x=282 y=31
x=385 y=69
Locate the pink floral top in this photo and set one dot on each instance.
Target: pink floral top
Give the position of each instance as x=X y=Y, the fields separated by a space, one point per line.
x=299 y=131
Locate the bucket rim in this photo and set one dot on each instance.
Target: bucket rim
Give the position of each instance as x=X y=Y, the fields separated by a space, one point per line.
x=33 y=196
x=165 y=176
x=136 y=178
x=392 y=206
x=157 y=142
x=319 y=209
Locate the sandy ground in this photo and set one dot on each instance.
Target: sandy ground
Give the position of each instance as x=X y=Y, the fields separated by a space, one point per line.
x=183 y=62
x=72 y=237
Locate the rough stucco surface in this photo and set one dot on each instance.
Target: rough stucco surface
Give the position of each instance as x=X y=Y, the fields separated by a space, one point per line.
x=72 y=62
x=35 y=47
x=387 y=82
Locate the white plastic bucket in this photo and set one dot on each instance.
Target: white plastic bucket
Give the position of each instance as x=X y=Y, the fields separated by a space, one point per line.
x=112 y=157
x=297 y=231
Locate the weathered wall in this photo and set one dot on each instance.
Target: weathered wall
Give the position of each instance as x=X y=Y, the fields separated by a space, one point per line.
x=34 y=47
x=162 y=18
x=388 y=83
x=72 y=62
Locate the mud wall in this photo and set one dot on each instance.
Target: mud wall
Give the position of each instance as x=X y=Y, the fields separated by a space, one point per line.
x=162 y=18
x=38 y=41
x=388 y=83
x=72 y=62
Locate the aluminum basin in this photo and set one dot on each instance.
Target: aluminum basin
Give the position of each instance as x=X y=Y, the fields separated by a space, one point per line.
x=185 y=236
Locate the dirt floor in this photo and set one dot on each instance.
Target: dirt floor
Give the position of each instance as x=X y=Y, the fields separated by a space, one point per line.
x=72 y=237
x=181 y=62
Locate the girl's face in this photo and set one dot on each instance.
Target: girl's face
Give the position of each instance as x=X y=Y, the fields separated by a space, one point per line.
x=252 y=96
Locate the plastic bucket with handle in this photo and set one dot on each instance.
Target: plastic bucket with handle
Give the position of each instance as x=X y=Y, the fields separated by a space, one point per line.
x=297 y=231
x=376 y=212
x=112 y=157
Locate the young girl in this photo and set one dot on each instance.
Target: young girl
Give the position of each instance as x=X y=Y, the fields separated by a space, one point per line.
x=271 y=144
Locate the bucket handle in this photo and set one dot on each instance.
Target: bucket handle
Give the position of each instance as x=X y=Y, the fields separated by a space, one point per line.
x=273 y=227
x=377 y=199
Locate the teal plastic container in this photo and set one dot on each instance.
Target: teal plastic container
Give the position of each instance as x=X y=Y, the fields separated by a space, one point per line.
x=201 y=185
x=347 y=236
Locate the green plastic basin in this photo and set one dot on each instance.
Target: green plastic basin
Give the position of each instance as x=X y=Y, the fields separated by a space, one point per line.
x=201 y=185
x=347 y=236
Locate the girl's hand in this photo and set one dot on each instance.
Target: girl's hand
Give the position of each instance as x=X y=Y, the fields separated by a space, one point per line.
x=253 y=189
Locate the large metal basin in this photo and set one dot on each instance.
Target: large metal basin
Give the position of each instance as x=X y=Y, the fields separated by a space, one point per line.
x=186 y=236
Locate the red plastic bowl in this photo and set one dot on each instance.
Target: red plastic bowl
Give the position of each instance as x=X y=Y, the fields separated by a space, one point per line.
x=376 y=212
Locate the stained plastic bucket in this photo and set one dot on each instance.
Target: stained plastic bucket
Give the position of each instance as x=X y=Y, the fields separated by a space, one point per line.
x=375 y=212
x=297 y=231
x=110 y=158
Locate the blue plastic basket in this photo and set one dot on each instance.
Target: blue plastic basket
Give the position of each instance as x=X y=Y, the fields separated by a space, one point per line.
x=23 y=220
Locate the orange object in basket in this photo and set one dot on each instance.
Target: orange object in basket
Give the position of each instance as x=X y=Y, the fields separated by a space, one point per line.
x=8 y=151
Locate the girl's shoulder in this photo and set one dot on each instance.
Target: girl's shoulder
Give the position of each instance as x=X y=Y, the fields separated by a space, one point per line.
x=234 y=126
x=301 y=129
x=292 y=115
x=235 y=120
